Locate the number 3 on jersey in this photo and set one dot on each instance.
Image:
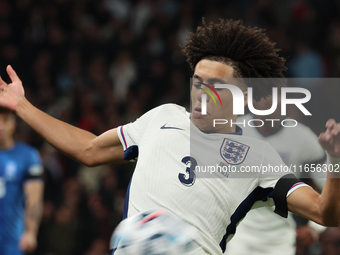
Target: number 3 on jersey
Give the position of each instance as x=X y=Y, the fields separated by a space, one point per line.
x=188 y=179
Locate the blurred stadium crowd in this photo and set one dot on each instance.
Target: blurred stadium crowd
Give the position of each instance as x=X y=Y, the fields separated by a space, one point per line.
x=99 y=64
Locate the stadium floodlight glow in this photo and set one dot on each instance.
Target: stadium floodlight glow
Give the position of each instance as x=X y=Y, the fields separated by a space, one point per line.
x=238 y=100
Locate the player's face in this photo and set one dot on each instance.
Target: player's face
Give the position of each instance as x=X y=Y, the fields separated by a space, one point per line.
x=7 y=126
x=211 y=73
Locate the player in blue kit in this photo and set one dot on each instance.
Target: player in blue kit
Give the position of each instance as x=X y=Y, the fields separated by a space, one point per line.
x=162 y=138
x=21 y=190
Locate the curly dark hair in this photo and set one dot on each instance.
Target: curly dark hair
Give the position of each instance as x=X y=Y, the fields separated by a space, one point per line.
x=247 y=49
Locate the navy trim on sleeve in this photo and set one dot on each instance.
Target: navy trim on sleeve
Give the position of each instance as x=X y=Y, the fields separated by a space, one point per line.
x=131 y=152
x=126 y=202
x=280 y=193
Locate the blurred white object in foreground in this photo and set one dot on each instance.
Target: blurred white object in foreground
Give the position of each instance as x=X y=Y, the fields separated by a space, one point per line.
x=152 y=232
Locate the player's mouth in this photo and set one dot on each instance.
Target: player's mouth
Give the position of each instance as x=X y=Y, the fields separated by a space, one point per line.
x=197 y=112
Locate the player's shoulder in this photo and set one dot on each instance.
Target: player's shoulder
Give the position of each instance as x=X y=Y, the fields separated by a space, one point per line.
x=167 y=110
x=171 y=108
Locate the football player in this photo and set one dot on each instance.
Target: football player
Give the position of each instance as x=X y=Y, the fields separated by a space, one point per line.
x=21 y=190
x=165 y=176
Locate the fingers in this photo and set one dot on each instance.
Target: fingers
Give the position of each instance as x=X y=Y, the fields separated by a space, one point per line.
x=12 y=74
x=325 y=136
x=326 y=141
x=330 y=123
x=336 y=129
x=333 y=129
x=27 y=245
x=2 y=82
x=330 y=139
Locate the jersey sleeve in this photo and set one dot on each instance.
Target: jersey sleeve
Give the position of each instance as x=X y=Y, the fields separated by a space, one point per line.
x=34 y=169
x=277 y=176
x=131 y=134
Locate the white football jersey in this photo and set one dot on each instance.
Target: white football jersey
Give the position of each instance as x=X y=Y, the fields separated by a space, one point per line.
x=262 y=231
x=164 y=176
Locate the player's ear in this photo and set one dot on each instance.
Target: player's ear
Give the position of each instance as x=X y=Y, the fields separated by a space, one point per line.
x=245 y=96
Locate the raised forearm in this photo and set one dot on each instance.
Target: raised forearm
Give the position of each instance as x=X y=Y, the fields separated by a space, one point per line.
x=329 y=204
x=34 y=190
x=33 y=215
x=70 y=140
x=325 y=208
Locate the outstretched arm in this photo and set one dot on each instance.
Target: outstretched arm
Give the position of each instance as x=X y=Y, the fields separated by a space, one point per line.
x=324 y=208
x=76 y=143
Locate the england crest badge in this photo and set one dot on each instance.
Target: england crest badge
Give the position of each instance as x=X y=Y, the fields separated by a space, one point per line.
x=234 y=153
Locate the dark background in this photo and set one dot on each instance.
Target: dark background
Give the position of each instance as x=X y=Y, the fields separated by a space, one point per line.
x=100 y=64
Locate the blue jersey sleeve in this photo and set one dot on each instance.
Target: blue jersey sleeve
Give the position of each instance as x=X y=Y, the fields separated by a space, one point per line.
x=34 y=169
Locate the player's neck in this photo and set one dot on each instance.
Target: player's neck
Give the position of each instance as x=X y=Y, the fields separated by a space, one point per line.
x=6 y=143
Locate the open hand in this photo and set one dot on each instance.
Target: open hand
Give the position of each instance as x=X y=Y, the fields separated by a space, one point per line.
x=11 y=94
x=330 y=139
